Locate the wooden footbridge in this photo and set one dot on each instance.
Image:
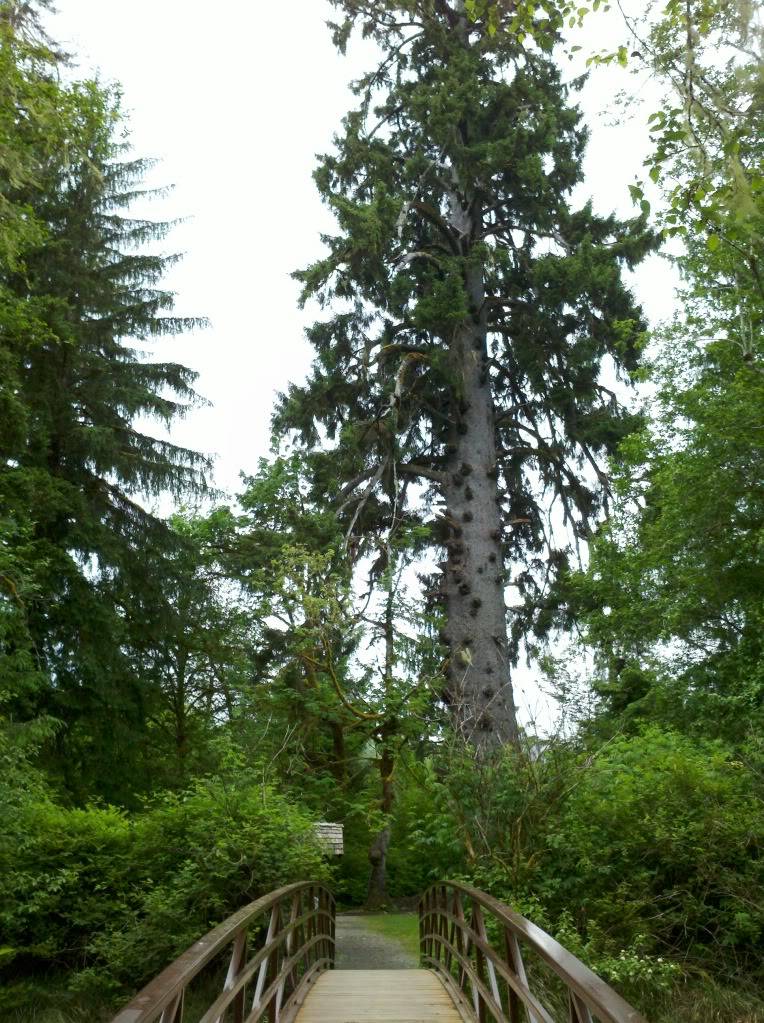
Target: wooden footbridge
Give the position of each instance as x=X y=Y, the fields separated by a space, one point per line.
x=480 y=963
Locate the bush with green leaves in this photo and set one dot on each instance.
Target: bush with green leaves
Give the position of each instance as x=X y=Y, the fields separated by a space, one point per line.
x=105 y=901
x=663 y=837
x=643 y=855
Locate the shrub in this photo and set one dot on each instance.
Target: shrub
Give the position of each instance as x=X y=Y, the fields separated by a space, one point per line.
x=663 y=837
x=643 y=856
x=107 y=901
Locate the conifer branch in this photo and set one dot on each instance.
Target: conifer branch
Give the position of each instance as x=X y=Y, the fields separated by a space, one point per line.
x=414 y=469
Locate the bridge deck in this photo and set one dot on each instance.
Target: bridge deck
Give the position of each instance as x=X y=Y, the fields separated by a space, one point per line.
x=378 y=996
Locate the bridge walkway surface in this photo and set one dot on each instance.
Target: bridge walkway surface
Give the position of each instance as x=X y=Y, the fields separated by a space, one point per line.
x=378 y=996
x=375 y=980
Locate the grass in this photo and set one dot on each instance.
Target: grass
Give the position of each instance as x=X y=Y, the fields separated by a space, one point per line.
x=400 y=927
x=708 y=1002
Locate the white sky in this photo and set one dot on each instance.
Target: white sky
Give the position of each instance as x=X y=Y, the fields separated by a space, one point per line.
x=235 y=99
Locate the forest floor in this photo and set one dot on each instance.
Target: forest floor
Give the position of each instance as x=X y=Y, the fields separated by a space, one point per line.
x=384 y=941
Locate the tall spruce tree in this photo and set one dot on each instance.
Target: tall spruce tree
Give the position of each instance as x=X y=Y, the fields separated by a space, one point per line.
x=35 y=121
x=78 y=459
x=477 y=317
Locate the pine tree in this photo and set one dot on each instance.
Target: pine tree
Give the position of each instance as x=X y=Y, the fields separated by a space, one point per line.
x=79 y=460
x=477 y=314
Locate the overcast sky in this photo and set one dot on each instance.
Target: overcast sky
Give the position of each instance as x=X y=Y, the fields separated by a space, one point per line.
x=235 y=99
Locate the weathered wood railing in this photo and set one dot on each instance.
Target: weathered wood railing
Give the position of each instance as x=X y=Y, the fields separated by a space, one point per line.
x=460 y=929
x=296 y=928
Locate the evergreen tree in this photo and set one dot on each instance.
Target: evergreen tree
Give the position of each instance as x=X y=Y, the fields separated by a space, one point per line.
x=38 y=117
x=77 y=457
x=478 y=317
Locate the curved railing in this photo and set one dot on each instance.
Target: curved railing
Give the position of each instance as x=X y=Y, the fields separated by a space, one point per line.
x=473 y=942
x=295 y=926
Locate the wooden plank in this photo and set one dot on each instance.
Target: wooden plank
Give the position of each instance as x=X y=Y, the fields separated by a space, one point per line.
x=378 y=996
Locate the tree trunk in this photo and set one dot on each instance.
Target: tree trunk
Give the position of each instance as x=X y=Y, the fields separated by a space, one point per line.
x=339 y=758
x=479 y=684
x=377 y=894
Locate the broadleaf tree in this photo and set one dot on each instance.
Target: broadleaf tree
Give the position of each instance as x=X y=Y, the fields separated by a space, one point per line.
x=477 y=323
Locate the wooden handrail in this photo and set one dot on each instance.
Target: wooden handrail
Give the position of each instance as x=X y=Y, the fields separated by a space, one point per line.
x=298 y=945
x=491 y=986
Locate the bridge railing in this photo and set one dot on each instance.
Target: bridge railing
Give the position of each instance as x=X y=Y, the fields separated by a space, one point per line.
x=475 y=943
x=291 y=934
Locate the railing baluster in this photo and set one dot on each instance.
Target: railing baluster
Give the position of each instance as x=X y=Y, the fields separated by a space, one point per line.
x=429 y=923
x=460 y=938
x=579 y=1011
x=273 y=970
x=238 y=957
x=519 y=968
x=513 y=1001
x=451 y=935
x=332 y=928
x=294 y=913
x=489 y=984
x=174 y=1011
x=441 y=923
x=479 y=964
x=263 y=971
x=479 y=925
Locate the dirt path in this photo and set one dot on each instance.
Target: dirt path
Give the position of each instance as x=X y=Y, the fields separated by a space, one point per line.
x=361 y=948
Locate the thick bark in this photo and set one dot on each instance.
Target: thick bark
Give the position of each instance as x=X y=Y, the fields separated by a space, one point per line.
x=479 y=684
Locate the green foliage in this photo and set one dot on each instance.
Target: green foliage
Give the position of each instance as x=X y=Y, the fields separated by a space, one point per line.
x=110 y=900
x=382 y=405
x=662 y=839
x=707 y=139
x=672 y=598
x=642 y=855
x=226 y=679
x=190 y=646
x=77 y=294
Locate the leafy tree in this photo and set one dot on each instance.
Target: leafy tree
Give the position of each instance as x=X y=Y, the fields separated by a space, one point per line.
x=284 y=553
x=476 y=312
x=674 y=590
x=342 y=663
x=190 y=642
x=707 y=137
x=673 y=593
